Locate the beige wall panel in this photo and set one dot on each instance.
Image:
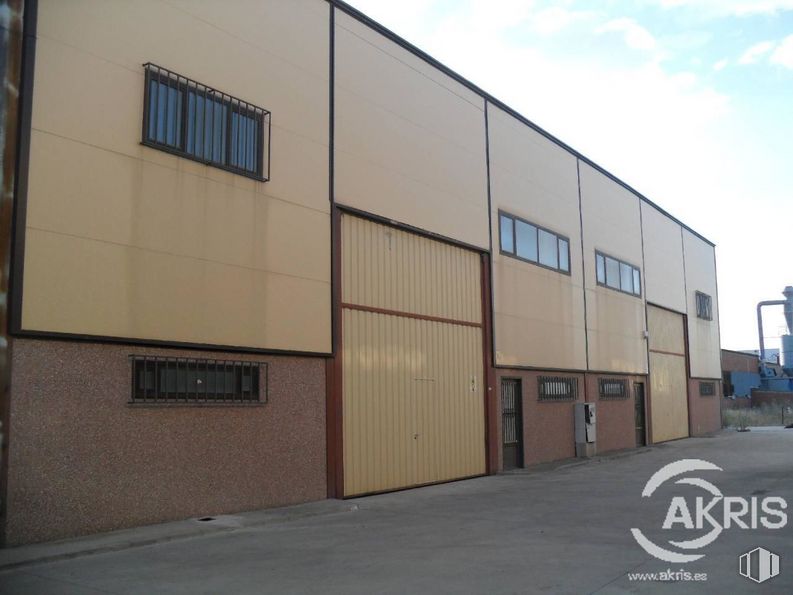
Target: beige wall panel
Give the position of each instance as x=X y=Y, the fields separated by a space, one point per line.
x=615 y=321
x=664 y=275
x=539 y=314
x=74 y=87
x=669 y=405
x=703 y=335
x=383 y=267
x=413 y=409
x=283 y=42
x=76 y=285
x=666 y=331
x=616 y=329
x=91 y=178
x=145 y=205
x=539 y=318
x=410 y=142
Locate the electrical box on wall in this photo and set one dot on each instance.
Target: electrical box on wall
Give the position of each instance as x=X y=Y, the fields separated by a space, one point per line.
x=585 y=429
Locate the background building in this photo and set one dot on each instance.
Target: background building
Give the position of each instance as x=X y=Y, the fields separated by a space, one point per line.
x=268 y=253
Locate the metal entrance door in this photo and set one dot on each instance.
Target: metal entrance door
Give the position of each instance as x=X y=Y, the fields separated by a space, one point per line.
x=638 y=395
x=512 y=423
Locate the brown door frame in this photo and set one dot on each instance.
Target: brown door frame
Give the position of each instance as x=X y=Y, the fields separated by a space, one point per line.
x=645 y=425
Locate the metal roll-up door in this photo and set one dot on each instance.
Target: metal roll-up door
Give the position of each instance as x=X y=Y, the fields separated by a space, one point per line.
x=412 y=376
x=668 y=375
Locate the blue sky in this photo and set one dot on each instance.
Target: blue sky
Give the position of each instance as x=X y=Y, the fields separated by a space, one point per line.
x=688 y=101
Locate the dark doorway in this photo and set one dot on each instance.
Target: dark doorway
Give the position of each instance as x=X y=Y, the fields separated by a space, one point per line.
x=638 y=395
x=512 y=423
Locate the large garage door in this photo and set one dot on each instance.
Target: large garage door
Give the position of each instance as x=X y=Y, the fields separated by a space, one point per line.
x=412 y=401
x=668 y=380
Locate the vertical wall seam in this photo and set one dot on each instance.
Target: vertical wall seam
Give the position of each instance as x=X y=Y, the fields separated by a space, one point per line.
x=490 y=236
x=23 y=159
x=583 y=266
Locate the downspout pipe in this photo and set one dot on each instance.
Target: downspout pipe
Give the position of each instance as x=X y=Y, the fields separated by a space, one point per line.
x=760 y=323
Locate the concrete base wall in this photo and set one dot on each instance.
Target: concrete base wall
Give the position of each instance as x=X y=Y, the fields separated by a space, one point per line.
x=704 y=413
x=82 y=460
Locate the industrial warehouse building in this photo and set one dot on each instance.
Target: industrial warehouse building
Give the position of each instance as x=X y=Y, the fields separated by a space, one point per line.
x=267 y=252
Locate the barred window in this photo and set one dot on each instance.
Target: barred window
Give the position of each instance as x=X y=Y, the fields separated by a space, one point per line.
x=613 y=388
x=164 y=380
x=707 y=389
x=557 y=388
x=192 y=120
x=704 y=306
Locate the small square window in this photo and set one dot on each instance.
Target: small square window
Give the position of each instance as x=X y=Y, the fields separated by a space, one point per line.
x=704 y=306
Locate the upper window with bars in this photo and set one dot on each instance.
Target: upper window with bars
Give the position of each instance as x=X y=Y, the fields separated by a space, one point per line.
x=532 y=243
x=616 y=274
x=189 y=119
x=704 y=306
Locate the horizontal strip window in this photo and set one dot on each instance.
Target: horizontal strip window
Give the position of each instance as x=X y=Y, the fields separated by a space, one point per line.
x=169 y=380
x=532 y=243
x=557 y=388
x=707 y=389
x=704 y=306
x=616 y=274
x=192 y=120
x=613 y=388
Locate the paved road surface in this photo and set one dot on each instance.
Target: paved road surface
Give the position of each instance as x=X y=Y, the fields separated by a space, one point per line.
x=564 y=529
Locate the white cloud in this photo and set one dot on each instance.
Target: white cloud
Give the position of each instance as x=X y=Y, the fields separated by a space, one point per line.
x=636 y=36
x=721 y=65
x=754 y=53
x=739 y=8
x=554 y=19
x=783 y=54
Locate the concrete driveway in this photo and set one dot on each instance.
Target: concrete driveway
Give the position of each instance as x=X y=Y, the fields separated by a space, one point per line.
x=561 y=529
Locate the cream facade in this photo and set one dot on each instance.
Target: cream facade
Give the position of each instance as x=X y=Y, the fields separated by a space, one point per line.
x=615 y=321
x=362 y=299
x=409 y=140
x=538 y=313
x=123 y=240
x=703 y=335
